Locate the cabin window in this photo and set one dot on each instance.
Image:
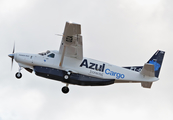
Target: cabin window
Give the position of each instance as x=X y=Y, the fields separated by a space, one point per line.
x=52 y=55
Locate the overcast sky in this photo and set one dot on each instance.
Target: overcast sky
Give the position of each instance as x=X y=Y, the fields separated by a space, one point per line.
x=120 y=32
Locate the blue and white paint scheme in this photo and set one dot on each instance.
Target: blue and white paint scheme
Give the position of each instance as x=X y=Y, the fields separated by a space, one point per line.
x=69 y=66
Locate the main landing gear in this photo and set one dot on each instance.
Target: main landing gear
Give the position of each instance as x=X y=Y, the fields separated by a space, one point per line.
x=65 y=89
x=19 y=74
x=67 y=75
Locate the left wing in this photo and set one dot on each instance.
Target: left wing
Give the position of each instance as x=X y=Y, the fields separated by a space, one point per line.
x=71 y=44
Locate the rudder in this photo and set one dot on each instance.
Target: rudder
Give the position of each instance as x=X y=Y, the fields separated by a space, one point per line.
x=157 y=60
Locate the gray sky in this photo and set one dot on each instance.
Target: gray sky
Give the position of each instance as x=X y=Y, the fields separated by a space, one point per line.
x=120 y=32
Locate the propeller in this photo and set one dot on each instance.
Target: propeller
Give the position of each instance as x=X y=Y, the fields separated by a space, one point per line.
x=12 y=56
x=59 y=34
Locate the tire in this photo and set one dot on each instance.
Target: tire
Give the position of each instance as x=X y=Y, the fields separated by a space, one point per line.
x=65 y=90
x=18 y=75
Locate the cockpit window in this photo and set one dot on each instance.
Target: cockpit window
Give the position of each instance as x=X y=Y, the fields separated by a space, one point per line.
x=52 y=55
x=44 y=53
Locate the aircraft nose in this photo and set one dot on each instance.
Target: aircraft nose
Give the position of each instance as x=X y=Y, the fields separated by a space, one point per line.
x=11 y=55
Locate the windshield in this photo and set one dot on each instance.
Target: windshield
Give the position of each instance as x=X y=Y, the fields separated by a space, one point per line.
x=44 y=53
x=51 y=55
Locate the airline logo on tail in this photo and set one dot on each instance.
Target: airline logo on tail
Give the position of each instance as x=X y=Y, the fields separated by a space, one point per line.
x=156 y=65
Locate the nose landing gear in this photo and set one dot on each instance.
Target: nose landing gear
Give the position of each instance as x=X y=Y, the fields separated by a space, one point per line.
x=19 y=74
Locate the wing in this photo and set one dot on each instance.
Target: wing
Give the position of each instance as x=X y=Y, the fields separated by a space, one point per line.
x=71 y=42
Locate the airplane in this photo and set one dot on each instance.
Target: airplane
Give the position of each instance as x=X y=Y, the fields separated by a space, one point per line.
x=70 y=67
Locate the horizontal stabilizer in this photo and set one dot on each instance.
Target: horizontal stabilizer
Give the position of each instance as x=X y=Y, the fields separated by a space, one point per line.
x=148 y=70
x=146 y=84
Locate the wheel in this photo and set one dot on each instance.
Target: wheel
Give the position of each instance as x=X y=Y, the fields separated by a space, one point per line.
x=66 y=77
x=18 y=75
x=65 y=90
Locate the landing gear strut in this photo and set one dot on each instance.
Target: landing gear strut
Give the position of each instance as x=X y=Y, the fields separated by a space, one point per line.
x=19 y=74
x=65 y=89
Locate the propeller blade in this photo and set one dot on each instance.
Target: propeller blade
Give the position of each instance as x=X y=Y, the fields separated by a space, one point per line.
x=12 y=63
x=14 y=47
x=59 y=34
x=12 y=56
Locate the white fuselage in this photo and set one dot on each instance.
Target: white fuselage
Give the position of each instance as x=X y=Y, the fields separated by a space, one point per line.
x=86 y=66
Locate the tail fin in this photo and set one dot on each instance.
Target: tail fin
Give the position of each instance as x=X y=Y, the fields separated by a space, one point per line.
x=152 y=67
x=148 y=69
x=156 y=60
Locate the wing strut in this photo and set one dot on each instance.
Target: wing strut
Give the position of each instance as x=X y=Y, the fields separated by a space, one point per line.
x=62 y=56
